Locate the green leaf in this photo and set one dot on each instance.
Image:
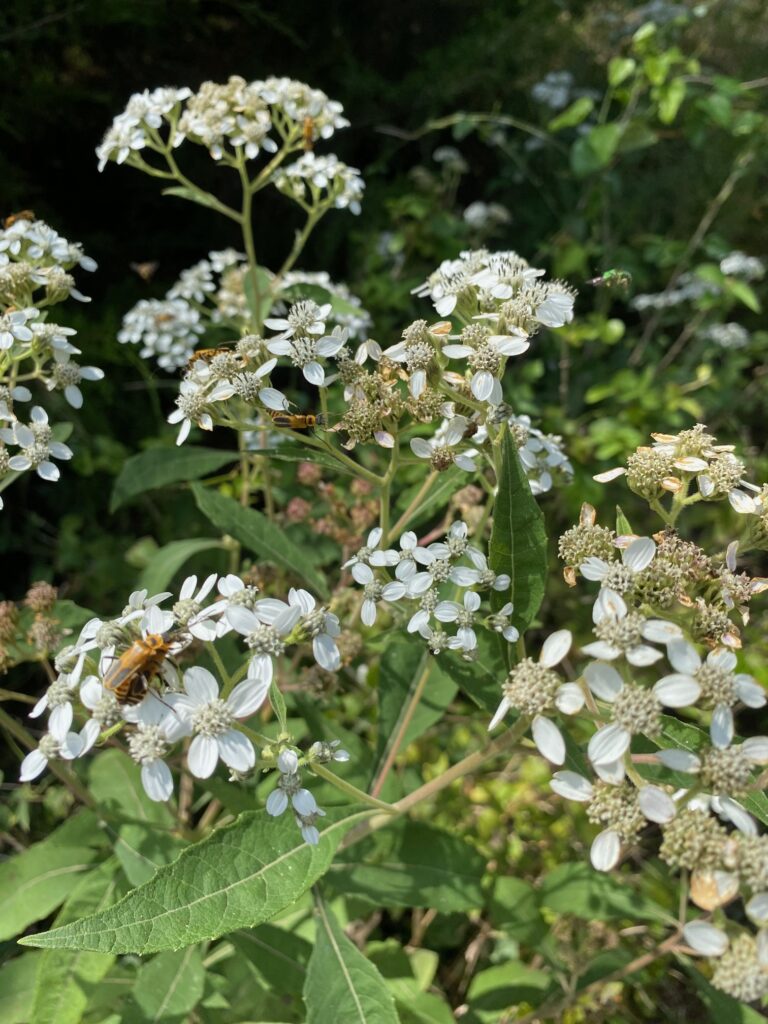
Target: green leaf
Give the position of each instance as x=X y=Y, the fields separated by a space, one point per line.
x=577 y=112
x=258 y=534
x=518 y=540
x=619 y=70
x=403 y=668
x=34 y=883
x=594 y=151
x=342 y=985
x=670 y=97
x=580 y=890
x=278 y=956
x=193 y=196
x=18 y=978
x=170 y=986
x=411 y=864
x=167 y=561
x=481 y=678
x=146 y=843
x=514 y=908
x=238 y=877
x=65 y=976
x=743 y=292
x=159 y=467
x=623 y=526
x=499 y=988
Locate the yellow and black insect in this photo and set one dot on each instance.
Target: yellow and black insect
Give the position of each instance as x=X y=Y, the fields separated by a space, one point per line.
x=297 y=421
x=612 y=279
x=308 y=133
x=128 y=679
x=21 y=215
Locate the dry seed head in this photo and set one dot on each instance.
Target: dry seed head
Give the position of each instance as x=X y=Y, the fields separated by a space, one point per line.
x=41 y=596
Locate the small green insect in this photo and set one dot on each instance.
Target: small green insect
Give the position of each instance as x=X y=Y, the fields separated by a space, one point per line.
x=612 y=279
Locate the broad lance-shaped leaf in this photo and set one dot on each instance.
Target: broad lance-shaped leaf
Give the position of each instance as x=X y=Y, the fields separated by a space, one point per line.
x=238 y=877
x=411 y=864
x=115 y=782
x=34 y=883
x=167 y=561
x=170 y=985
x=65 y=977
x=518 y=539
x=161 y=466
x=342 y=985
x=258 y=534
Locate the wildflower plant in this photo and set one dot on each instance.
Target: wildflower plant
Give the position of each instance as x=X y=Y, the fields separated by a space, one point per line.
x=36 y=353
x=374 y=539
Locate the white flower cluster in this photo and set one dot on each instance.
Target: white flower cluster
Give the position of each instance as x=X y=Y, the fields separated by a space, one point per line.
x=427 y=577
x=139 y=648
x=729 y=335
x=34 y=273
x=312 y=180
x=663 y=655
x=676 y=461
x=228 y=118
x=212 y=295
x=501 y=287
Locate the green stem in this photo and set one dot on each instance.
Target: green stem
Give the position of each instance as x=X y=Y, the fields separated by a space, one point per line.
x=457 y=771
x=385 y=496
x=404 y=720
x=347 y=787
x=222 y=670
x=300 y=241
x=413 y=508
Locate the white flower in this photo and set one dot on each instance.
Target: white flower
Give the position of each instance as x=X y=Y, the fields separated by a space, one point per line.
x=68 y=375
x=610 y=608
x=374 y=592
x=289 y=788
x=212 y=720
x=636 y=557
x=705 y=938
x=438 y=449
x=37 y=446
x=13 y=327
x=556 y=310
x=190 y=614
x=193 y=404
x=716 y=674
x=368 y=551
x=157 y=728
x=542 y=692
x=57 y=742
x=306 y=350
x=638 y=705
x=464 y=615
x=303 y=318
x=481 y=575
x=406 y=559
x=167 y=329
